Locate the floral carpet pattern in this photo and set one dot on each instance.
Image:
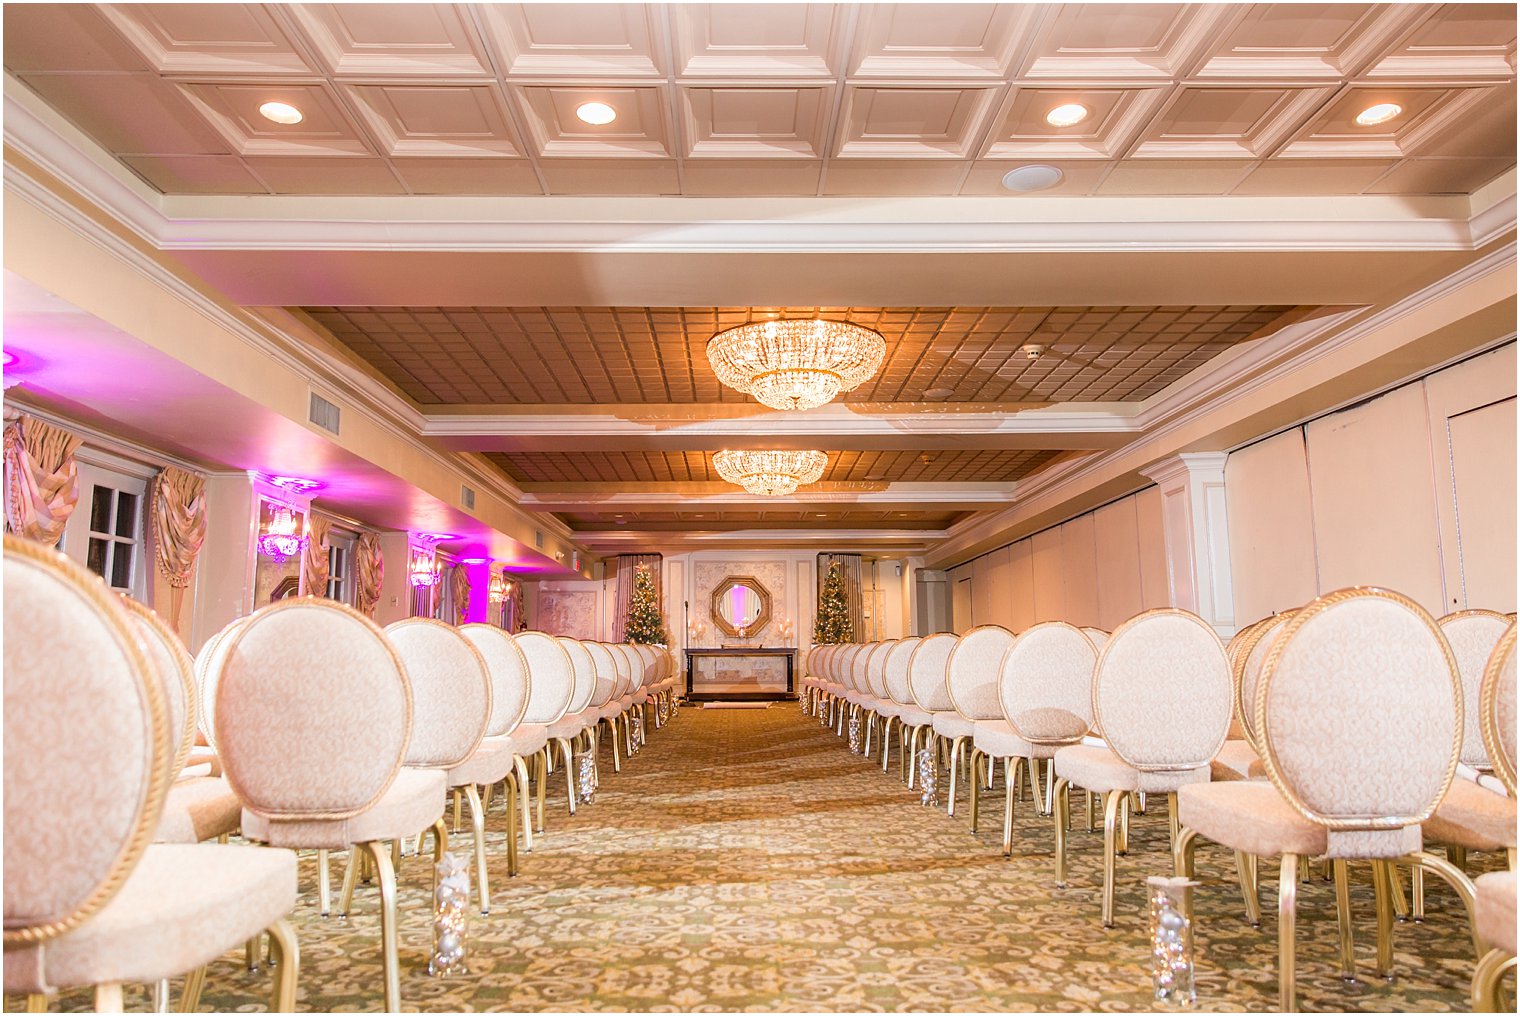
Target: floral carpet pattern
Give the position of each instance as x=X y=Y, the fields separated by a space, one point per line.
x=745 y=860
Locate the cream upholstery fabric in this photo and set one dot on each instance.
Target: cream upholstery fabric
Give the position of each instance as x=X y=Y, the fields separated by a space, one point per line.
x=1495 y=911
x=1497 y=702
x=413 y=803
x=509 y=675
x=952 y=724
x=199 y=809
x=876 y=670
x=584 y=668
x=525 y=740
x=208 y=671
x=87 y=742
x=1045 y=684
x=573 y=723
x=927 y=673
x=1257 y=648
x=1235 y=761
x=487 y=764
x=451 y=691
x=606 y=673
x=624 y=667
x=898 y=658
x=998 y=739
x=181 y=908
x=975 y=662
x=551 y=677
x=313 y=710
x=1100 y=769
x=1097 y=636
x=1473 y=817
x=1249 y=816
x=1472 y=635
x=172 y=663
x=1162 y=692
x=1360 y=708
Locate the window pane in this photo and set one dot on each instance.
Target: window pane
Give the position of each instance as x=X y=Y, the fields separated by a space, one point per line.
x=121 y=565
x=126 y=515
x=100 y=510
x=95 y=559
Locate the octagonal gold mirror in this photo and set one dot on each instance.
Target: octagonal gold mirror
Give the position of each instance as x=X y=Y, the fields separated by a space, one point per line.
x=741 y=606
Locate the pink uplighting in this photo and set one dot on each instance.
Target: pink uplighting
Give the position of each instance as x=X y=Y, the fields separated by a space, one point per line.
x=297 y=485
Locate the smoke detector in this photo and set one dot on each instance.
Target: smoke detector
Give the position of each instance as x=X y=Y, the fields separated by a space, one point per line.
x=1033 y=351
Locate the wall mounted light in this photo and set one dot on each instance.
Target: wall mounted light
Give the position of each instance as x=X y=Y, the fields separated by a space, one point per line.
x=280 y=539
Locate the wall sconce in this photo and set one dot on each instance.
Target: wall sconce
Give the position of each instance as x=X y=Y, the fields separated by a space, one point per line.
x=500 y=588
x=280 y=539
x=424 y=569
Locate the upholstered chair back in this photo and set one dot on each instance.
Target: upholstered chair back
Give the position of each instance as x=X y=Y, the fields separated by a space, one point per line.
x=606 y=673
x=1359 y=709
x=1097 y=636
x=1250 y=658
x=927 y=672
x=87 y=746
x=899 y=688
x=1472 y=635
x=876 y=669
x=172 y=663
x=858 y=654
x=1045 y=684
x=1496 y=708
x=974 y=665
x=840 y=664
x=1161 y=692
x=1235 y=652
x=651 y=658
x=451 y=691
x=313 y=710
x=635 y=666
x=584 y=668
x=624 y=671
x=828 y=667
x=509 y=675
x=551 y=677
x=208 y=668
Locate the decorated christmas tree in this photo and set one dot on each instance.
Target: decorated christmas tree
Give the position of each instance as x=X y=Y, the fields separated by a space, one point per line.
x=833 y=623
x=645 y=622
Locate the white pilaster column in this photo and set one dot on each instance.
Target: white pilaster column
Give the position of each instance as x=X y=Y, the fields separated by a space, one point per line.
x=1197 y=536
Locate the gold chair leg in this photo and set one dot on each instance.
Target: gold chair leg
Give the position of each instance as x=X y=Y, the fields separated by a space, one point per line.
x=512 y=821
x=287 y=966
x=541 y=782
x=1182 y=862
x=1287 y=907
x=350 y=877
x=478 y=825
x=1111 y=809
x=1063 y=805
x=912 y=757
x=569 y=757
x=458 y=802
x=1417 y=893
x=108 y=997
x=955 y=759
x=1382 y=890
x=1245 y=873
x=886 y=743
x=523 y=789
x=1396 y=891
x=1011 y=777
x=36 y=1002
x=1343 y=918
x=1123 y=840
x=1092 y=821
x=324 y=884
x=190 y=995
x=1454 y=877
x=617 y=762
x=1486 y=980
x=161 y=995
x=1171 y=818
x=392 y=963
x=974 y=790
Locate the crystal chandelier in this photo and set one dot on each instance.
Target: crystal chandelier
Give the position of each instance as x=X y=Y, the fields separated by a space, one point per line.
x=795 y=364
x=280 y=539
x=770 y=473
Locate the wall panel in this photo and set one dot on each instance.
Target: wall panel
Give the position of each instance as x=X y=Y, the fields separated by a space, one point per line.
x=1049 y=589
x=1021 y=585
x=991 y=575
x=1155 y=588
x=961 y=618
x=1483 y=489
x=1116 y=536
x=1079 y=571
x=1271 y=527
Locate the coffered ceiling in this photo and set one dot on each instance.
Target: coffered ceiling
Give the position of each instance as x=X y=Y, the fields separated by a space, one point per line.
x=795 y=99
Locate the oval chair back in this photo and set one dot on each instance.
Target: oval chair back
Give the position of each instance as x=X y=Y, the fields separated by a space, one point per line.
x=1472 y=635
x=584 y=668
x=509 y=675
x=898 y=659
x=1359 y=709
x=624 y=669
x=313 y=711
x=208 y=667
x=974 y=665
x=451 y=691
x=635 y=666
x=1250 y=657
x=858 y=658
x=927 y=672
x=844 y=672
x=1161 y=692
x=1045 y=688
x=1097 y=636
x=826 y=663
x=651 y=665
x=87 y=748
x=174 y=666
x=551 y=677
x=606 y=673
x=1496 y=709
x=876 y=669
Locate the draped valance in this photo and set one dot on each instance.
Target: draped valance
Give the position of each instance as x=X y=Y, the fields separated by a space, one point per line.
x=369 y=573
x=41 y=478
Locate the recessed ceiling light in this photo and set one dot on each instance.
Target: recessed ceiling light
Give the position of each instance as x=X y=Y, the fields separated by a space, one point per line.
x=1067 y=115
x=939 y=393
x=280 y=112
x=1380 y=113
x=596 y=113
x=1032 y=178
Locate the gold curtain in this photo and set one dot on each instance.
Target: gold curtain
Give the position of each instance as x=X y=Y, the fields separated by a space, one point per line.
x=461 y=594
x=177 y=506
x=369 y=572
x=314 y=560
x=41 y=478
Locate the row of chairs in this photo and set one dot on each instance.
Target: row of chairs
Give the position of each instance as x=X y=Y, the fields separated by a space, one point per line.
x=1354 y=729
x=322 y=732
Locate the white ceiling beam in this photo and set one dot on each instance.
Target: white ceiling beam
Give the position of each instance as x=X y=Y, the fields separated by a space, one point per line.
x=707 y=497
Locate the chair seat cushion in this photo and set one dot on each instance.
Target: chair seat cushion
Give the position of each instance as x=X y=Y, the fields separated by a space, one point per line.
x=199 y=808
x=1494 y=914
x=1099 y=769
x=610 y=711
x=572 y=724
x=1249 y=815
x=412 y=804
x=912 y=716
x=489 y=762
x=950 y=724
x=1472 y=817
x=997 y=739
x=885 y=708
x=1048 y=725
x=528 y=739
x=1234 y=762
x=183 y=906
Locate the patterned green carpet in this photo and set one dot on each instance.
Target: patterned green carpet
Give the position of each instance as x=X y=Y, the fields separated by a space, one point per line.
x=746 y=861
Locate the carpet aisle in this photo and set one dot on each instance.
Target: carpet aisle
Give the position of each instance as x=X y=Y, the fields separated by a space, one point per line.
x=746 y=861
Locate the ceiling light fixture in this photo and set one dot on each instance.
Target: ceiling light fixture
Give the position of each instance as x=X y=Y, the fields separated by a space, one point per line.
x=1067 y=115
x=798 y=363
x=1380 y=113
x=597 y=114
x=1036 y=177
x=281 y=112
x=770 y=473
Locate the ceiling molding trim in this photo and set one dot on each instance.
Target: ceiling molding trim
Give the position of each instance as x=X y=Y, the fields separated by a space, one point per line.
x=965 y=496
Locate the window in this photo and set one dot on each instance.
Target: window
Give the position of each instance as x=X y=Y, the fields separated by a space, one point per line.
x=340 y=566
x=105 y=533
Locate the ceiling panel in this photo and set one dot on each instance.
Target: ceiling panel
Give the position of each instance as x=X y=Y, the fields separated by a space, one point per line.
x=687 y=521
x=705 y=91
x=957 y=466
x=588 y=355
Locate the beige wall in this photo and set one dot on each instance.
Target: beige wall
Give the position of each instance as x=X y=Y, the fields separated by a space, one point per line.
x=1413 y=490
x=1096 y=569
